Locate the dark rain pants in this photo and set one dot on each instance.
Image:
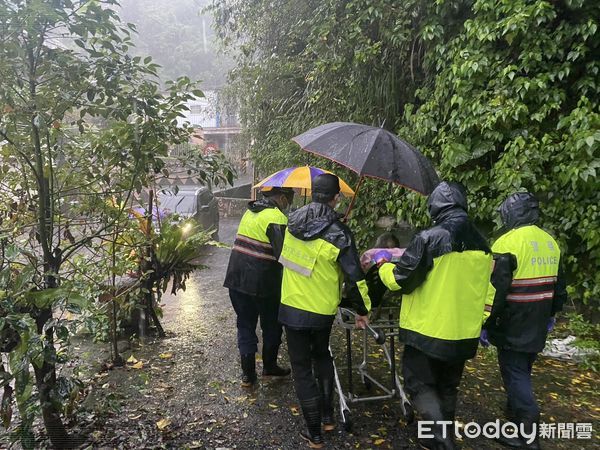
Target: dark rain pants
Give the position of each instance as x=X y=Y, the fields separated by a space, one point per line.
x=309 y=348
x=249 y=309
x=431 y=383
x=515 y=368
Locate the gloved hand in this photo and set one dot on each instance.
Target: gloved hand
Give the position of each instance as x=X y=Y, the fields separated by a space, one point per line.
x=483 y=338
x=551 y=324
x=382 y=256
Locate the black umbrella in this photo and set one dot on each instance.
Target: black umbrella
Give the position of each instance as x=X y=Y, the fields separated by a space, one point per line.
x=371 y=152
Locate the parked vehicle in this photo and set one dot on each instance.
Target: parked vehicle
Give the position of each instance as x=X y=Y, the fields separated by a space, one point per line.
x=196 y=202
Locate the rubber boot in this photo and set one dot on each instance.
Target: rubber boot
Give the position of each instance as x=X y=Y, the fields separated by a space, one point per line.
x=521 y=442
x=511 y=442
x=248 y=370
x=529 y=426
x=311 y=409
x=270 y=367
x=327 y=413
x=448 y=405
x=439 y=442
x=509 y=413
x=428 y=404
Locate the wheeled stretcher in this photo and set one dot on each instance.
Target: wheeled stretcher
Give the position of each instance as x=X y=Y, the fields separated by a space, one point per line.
x=382 y=331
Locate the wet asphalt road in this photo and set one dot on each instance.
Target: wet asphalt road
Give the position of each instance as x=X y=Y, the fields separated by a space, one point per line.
x=189 y=385
x=187 y=394
x=206 y=376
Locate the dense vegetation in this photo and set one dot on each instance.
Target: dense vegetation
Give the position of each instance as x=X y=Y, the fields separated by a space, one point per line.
x=501 y=95
x=84 y=130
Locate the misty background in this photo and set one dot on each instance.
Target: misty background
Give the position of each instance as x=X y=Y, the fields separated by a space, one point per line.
x=179 y=36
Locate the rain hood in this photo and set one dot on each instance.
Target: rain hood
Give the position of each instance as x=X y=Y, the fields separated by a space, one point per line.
x=447 y=200
x=310 y=221
x=258 y=205
x=519 y=209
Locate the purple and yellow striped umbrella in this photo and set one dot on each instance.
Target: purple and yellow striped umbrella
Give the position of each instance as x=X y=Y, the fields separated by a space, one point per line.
x=299 y=178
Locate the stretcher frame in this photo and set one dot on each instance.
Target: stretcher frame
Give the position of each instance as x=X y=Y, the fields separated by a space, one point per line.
x=383 y=327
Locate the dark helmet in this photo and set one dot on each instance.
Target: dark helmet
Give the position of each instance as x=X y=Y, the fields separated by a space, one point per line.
x=325 y=187
x=447 y=196
x=519 y=209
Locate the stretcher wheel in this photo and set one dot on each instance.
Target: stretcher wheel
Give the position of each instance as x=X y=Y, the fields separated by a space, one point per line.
x=346 y=421
x=380 y=337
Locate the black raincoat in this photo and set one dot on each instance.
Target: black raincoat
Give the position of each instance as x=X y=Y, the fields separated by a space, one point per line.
x=452 y=232
x=254 y=275
x=520 y=326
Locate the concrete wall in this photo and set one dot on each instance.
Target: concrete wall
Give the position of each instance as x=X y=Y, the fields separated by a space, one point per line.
x=242 y=191
x=232 y=207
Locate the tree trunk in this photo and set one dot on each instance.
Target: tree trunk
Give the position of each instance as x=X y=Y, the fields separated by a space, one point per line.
x=45 y=377
x=150 y=264
x=151 y=312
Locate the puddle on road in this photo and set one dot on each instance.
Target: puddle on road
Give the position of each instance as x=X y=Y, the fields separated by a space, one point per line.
x=181 y=308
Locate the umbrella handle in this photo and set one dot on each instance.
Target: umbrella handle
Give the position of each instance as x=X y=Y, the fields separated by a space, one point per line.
x=351 y=205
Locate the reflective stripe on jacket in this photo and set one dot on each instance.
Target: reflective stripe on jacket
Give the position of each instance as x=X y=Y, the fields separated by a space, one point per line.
x=521 y=314
x=318 y=255
x=312 y=277
x=253 y=268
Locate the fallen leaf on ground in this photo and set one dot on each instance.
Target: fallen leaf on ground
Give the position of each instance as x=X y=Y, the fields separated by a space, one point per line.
x=295 y=411
x=138 y=365
x=132 y=360
x=163 y=423
x=132 y=417
x=379 y=441
x=271 y=405
x=165 y=355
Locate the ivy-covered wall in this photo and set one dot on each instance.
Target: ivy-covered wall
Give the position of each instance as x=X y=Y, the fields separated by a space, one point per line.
x=501 y=95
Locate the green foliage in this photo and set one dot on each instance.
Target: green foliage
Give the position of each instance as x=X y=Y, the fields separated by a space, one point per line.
x=501 y=95
x=588 y=338
x=83 y=127
x=177 y=249
x=514 y=105
x=208 y=168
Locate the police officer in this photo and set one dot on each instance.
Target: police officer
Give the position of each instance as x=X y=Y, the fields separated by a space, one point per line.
x=254 y=281
x=444 y=277
x=524 y=306
x=318 y=254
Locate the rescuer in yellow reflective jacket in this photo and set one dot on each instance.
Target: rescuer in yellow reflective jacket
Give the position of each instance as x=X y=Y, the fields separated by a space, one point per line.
x=254 y=281
x=444 y=278
x=318 y=255
x=530 y=291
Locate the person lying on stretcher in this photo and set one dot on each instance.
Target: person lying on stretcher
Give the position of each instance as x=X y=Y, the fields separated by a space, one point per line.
x=386 y=250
